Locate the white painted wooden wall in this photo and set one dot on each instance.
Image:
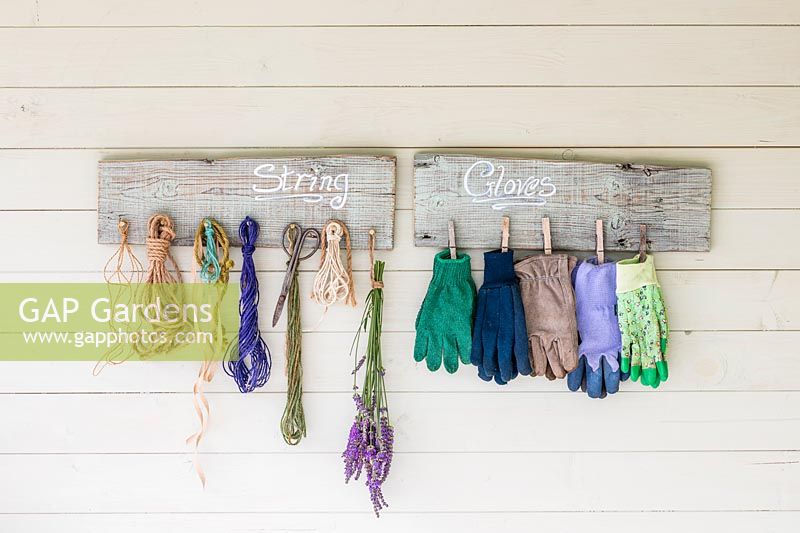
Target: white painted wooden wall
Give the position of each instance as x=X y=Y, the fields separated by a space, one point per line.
x=691 y=82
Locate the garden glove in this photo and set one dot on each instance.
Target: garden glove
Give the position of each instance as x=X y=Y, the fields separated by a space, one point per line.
x=499 y=339
x=444 y=322
x=598 y=369
x=642 y=321
x=549 y=302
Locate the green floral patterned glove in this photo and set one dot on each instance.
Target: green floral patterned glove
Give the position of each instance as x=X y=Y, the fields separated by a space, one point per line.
x=444 y=322
x=642 y=321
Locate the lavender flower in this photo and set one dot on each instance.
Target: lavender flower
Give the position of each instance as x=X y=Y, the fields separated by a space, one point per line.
x=370 y=443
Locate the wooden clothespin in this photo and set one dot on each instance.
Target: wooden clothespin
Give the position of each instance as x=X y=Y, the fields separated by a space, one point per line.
x=599 y=246
x=642 y=243
x=548 y=245
x=504 y=238
x=451 y=239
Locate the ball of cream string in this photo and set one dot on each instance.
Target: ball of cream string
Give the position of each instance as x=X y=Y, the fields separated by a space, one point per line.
x=333 y=282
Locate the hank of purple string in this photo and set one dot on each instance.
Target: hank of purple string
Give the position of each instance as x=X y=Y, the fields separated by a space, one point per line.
x=252 y=368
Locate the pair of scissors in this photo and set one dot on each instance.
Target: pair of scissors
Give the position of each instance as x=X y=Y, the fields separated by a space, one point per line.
x=299 y=240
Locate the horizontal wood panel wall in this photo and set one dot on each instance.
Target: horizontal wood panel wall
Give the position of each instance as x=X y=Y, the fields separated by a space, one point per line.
x=697 y=84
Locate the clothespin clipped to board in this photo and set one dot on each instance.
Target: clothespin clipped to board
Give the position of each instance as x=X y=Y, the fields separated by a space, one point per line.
x=642 y=243
x=451 y=239
x=548 y=244
x=504 y=237
x=599 y=246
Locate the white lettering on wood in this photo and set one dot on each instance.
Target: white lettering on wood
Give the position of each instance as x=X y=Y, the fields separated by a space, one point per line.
x=312 y=188
x=487 y=184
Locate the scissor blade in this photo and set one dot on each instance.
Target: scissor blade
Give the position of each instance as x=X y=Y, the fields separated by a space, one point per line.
x=278 y=309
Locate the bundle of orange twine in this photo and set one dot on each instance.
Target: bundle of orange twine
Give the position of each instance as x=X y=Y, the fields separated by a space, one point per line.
x=334 y=282
x=212 y=254
x=121 y=270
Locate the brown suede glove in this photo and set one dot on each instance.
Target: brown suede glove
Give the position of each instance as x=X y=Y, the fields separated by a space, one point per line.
x=546 y=287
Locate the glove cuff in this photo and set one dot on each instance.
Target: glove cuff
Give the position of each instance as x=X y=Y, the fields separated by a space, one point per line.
x=455 y=270
x=498 y=267
x=632 y=275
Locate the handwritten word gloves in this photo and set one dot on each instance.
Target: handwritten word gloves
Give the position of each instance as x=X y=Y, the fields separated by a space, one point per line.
x=598 y=370
x=444 y=322
x=642 y=321
x=499 y=338
x=549 y=302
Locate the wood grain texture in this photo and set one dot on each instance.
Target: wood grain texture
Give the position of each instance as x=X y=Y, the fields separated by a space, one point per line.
x=358 y=190
x=424 y=422
x=400 y=117
x=751 y=178
x=419 y=483
x=475 y=192
x=406 y=12
x=405 y=56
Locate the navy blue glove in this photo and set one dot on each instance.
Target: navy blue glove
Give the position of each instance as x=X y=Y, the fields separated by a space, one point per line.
x=499 y=336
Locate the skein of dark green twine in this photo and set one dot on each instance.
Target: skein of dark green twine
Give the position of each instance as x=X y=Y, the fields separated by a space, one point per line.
x=293 y=421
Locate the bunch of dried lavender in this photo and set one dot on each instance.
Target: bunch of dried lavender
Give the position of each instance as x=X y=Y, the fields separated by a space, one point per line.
x=371 y=440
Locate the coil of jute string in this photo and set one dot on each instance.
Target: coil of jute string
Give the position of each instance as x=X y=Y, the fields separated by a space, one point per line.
x=293 y=421
x=248 y=359
x=212 y=254
x=161 y=282
x=334 y=281
x=160 y=234
x=121 y=270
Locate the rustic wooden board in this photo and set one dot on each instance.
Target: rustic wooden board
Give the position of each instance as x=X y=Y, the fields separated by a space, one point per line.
x=358 y=189
x=476 y=192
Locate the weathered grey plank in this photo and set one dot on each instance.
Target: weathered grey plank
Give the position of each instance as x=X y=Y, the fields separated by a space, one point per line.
x=675 y=203
x=358 y=189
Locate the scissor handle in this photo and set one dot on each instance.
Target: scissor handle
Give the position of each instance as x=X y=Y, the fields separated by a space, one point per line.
x=303 y=235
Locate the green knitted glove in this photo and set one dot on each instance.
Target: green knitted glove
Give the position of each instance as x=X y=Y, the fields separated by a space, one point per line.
x=444 y=322
x=642 y=321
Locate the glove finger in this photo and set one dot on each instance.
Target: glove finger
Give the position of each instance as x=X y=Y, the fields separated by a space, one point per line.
x=482 y=374
x=505 y=335
x=476 y=353
x=450 y=353
x=420 y=346
x=610 y=378
x=567 y=353
x=594 y=382
x=521 y=349
x=433 y=358
x=663 y=370
x=463 y=342
x=575 y=378
x=553 y=352
x=538 y=358
x=636 y=361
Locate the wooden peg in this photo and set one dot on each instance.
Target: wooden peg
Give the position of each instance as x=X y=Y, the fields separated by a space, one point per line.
x=504 y=238
x=451 y=239
x=548 y=245
x=642 y=243
x=600 y=247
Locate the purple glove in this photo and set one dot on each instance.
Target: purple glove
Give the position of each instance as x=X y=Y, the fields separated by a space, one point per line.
x=595 y=301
